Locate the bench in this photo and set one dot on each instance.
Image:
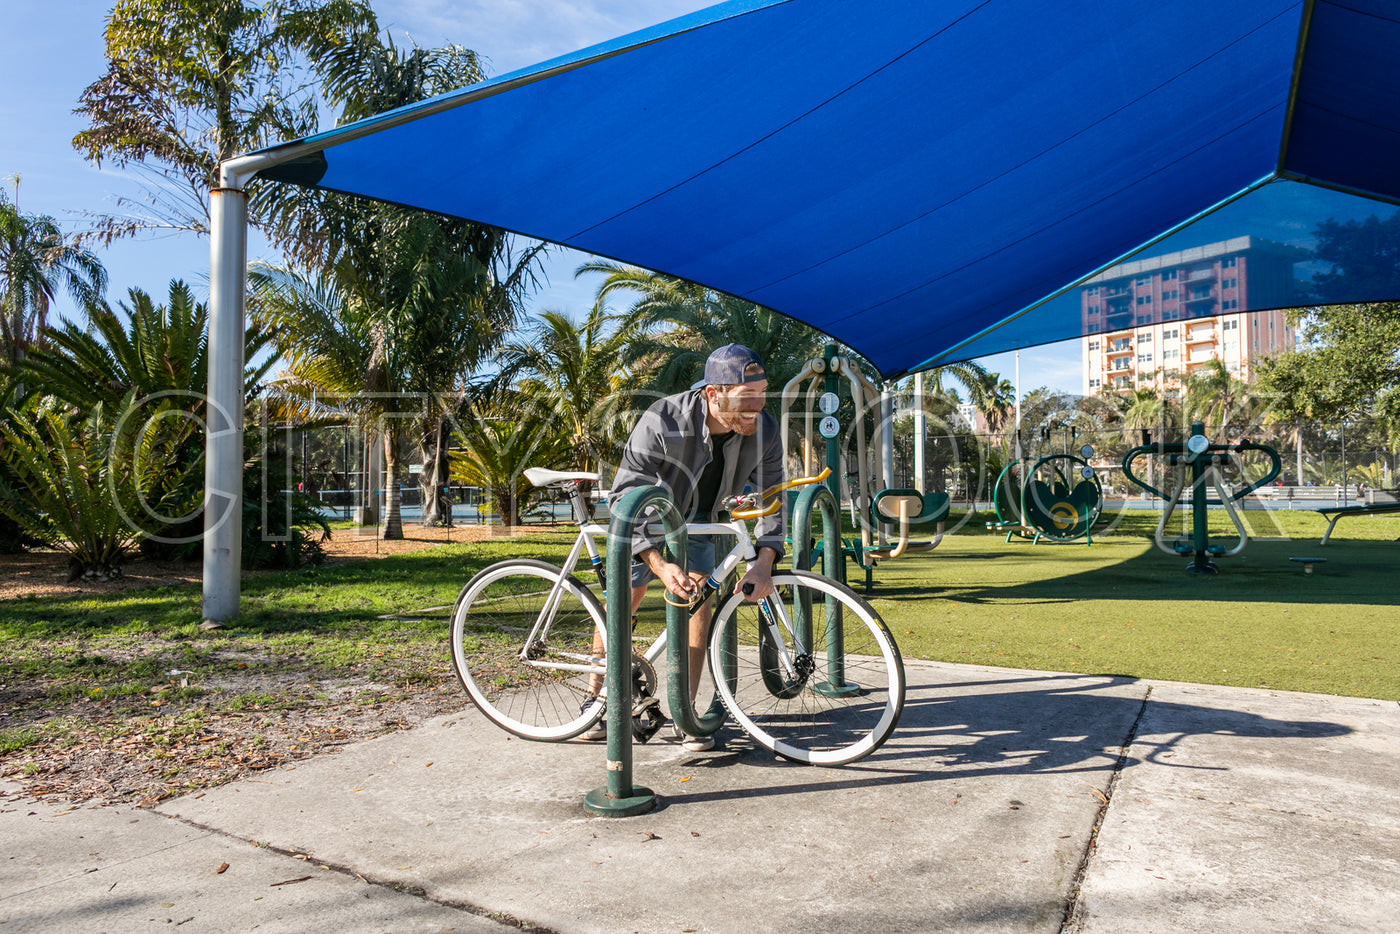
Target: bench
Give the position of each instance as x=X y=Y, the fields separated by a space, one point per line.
x=1374 y=507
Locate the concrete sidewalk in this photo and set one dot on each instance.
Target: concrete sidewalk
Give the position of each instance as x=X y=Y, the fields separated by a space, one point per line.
x=1007 y=801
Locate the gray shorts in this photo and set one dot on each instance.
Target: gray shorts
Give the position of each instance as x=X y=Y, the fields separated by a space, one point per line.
x=699 y=558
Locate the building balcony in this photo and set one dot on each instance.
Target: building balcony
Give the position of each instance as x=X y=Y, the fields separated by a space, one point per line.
x=1201 y=275
x=1200 y=336
x=1197 y=299
x=1119 y=364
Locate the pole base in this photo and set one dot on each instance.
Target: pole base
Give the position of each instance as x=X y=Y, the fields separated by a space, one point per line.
x=827 y=689
x=598 y=802
x=1202 y=567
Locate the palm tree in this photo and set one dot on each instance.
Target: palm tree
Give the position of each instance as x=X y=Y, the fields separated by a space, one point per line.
x=435 y=295
x=679 y=323
x=575 y=372
x=332 y=341
x=37 y=263
x=1140 y=409
x=998 y=402
x=504 y=437
x=400 y=346
x=1214 y=396
x=122 y=393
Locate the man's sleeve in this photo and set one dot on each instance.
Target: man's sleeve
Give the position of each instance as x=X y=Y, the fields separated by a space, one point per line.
x=768 y=531
x=638 y=466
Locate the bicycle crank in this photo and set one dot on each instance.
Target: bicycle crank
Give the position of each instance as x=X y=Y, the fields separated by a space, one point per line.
x=647 y=717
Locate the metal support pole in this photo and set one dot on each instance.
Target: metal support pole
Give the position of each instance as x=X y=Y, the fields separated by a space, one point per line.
x=223 y=459
x=887 y=438
x=618 y=797
x=920 y=430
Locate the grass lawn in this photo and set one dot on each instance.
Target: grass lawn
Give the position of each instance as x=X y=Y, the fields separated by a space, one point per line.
x=1123 y=607
x=324 y=656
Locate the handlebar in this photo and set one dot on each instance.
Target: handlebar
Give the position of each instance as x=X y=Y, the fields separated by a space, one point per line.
x=753 y=510
x=1176 y=449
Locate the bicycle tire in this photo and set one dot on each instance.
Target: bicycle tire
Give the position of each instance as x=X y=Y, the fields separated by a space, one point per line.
x=492 y=617
x=838 y=706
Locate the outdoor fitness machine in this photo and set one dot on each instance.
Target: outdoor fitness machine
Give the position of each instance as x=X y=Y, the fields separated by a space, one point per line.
x=883 y=513
x=1205 y=461
x=1059 y=499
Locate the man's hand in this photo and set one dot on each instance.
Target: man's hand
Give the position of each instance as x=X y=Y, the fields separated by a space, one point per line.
x=671 y=576
x=759 y=578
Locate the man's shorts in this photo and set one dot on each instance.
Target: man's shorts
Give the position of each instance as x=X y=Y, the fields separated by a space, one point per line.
x=699 y=557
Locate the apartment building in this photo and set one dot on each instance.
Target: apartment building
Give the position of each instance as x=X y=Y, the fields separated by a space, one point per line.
x=1149 y=322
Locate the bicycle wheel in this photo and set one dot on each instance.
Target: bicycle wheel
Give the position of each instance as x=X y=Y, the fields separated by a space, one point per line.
x=539 y=692
x=829 y=696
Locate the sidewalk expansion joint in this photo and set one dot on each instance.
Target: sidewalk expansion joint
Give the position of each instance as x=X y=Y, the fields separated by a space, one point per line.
x=401 y=888
x=1075 y=906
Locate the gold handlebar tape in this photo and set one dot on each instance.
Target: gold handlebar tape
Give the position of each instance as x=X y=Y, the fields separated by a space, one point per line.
x=772 y=492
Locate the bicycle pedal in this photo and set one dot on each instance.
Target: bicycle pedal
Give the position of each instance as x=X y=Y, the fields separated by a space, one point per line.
x=647 y=719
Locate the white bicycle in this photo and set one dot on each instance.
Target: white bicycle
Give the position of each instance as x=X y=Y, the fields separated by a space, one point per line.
x=810 y=672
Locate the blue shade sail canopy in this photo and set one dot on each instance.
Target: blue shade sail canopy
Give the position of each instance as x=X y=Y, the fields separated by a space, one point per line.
x=925 y=180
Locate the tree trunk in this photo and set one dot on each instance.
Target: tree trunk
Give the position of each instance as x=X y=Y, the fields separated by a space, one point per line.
x=393 y=519
x=506 y=507
x=433 y=481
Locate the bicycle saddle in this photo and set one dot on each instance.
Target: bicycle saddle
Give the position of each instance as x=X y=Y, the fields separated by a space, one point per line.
x=539 y=476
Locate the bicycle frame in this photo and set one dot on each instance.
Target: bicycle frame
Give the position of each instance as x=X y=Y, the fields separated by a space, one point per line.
x=775 y=616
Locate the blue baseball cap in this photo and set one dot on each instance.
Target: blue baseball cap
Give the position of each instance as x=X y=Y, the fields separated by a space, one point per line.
x=733 y=364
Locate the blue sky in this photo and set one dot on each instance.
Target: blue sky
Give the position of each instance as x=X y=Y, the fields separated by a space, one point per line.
x=52 y=50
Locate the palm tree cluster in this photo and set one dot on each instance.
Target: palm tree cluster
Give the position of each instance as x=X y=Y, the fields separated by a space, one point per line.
x=402 y=326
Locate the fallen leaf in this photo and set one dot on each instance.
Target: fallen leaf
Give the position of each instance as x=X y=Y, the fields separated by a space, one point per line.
x=223 y=867
x=649 y=835
x=291 y=881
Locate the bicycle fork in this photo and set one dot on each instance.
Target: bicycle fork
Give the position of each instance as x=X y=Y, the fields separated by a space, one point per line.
x=781 y=666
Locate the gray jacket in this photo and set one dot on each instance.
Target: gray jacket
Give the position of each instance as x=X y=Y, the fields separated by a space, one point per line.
x=670 y=446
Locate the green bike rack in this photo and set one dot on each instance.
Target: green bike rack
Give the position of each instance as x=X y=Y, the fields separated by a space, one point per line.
x=833 y=562
x=618 y=797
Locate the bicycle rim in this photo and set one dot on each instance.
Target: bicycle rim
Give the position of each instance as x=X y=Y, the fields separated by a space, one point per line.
x=831 y=705
x=491 y=621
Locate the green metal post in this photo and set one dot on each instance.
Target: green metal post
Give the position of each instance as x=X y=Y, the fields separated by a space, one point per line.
x=619 y=797
x=1200 y=500
x=831 y=383
x=834 y=564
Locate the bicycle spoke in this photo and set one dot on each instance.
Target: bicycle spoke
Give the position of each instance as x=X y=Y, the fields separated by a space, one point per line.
x=538 y=688
x=839 y=701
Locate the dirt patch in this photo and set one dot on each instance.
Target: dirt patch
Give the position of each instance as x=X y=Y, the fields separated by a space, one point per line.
x=77 y=725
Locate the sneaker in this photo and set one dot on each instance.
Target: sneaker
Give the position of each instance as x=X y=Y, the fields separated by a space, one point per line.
x=599 y=729
x=698 y=743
